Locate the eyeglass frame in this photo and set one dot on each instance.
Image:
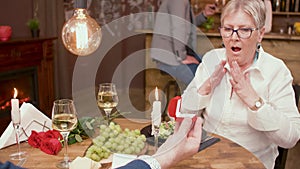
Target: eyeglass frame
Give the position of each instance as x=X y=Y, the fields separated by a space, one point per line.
x=237 y=33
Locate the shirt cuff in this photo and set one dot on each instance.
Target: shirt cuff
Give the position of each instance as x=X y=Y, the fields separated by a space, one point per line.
x=152 y=162
x=195 y=102
x=264 y=119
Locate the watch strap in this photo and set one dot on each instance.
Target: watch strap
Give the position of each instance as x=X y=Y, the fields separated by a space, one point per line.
x=255 y=107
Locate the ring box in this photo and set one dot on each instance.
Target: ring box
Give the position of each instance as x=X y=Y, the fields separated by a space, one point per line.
x=174 y=110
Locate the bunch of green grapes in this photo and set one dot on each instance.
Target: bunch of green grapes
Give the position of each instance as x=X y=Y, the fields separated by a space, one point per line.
x=113 y=139
x=166 y=129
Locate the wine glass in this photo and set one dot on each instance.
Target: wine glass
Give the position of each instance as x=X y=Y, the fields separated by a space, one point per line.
x=107 y=98
x=64 y=119
x=16 y=120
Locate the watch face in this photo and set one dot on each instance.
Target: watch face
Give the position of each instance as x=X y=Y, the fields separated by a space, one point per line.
x=258 y=104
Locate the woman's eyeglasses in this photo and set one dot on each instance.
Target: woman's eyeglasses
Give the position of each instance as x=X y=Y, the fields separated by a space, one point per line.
x=243 y=33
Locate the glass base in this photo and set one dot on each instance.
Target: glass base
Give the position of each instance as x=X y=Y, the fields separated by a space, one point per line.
x=18 y=156
x=63 y=164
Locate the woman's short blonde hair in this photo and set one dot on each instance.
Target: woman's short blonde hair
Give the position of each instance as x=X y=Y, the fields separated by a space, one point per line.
x=255 y=8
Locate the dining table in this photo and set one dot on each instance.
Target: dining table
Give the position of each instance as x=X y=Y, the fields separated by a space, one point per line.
x=224 y=154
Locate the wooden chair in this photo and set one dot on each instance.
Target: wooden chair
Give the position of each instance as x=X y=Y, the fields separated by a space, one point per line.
x=281 y=159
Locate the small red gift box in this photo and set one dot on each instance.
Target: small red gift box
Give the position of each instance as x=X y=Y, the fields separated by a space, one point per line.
x=174 y=110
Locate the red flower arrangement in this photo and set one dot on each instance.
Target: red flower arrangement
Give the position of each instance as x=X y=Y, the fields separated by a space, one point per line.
x=48 y=142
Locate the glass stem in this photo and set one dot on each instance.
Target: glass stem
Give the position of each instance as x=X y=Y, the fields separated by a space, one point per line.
x=156 y=134
x=17 y=132
x=66 y=157
x=107 y=112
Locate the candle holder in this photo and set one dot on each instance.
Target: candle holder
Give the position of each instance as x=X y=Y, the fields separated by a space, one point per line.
x=19 y=155
x=156 y=135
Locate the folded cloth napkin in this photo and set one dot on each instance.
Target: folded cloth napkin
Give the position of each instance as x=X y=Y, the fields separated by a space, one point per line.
x=84 y=162
x=31 y=119
x=9 y=165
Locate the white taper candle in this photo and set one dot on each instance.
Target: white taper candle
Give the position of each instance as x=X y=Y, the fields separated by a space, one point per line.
x=15 y=110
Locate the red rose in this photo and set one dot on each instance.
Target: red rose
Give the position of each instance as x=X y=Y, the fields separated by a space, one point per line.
x=34 y=140
x=54 y=134
x=48 y=142
x=51 y=146
x=42 y=135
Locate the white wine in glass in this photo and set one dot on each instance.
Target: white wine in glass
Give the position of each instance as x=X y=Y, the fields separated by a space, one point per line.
x=107 y=98
x=64 y=119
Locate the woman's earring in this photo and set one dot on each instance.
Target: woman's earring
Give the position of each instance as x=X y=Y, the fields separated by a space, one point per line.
x=223 y=46
x=258 y=45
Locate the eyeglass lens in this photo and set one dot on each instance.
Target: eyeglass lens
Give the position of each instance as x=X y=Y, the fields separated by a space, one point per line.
x=241 y=33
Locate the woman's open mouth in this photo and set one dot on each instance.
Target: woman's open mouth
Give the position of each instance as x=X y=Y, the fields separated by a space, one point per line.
x=235 y=49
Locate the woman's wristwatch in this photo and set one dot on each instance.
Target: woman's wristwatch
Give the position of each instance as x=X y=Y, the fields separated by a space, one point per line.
x=258 y=104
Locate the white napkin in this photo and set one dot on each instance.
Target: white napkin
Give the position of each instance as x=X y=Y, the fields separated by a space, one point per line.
x=84 y=162
x=31 y=119
x=121 y=159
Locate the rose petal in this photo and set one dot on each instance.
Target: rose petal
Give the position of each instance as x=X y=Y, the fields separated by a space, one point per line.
x=51 y=146
x=33 y=139
x=42 y=135
x=57 y=134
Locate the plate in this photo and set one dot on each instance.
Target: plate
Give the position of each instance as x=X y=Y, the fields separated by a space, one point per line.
x=206 y=140
x=150 y=138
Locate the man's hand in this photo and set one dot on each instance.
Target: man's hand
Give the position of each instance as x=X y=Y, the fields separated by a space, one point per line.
x=241 y=85
x=190 y=60
x=182 y=144
x=209 y=10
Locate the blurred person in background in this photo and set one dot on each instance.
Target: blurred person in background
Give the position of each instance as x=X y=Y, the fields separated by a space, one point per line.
x=174 y=39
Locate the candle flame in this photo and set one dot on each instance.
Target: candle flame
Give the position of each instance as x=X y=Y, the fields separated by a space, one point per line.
x=156 y=93
x=15 y=93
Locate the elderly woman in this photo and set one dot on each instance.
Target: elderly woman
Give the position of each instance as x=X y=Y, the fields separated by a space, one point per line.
x=244 y=93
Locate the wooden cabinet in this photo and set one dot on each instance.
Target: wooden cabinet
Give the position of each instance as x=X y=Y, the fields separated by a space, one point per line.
x=283 y=20
x=280 y=20
x=18 y=54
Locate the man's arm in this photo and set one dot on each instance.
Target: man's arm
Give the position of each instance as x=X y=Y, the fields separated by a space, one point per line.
x=136 y=164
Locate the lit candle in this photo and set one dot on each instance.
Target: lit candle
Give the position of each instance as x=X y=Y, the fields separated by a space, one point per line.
x=156 y=110
x=15 y=112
